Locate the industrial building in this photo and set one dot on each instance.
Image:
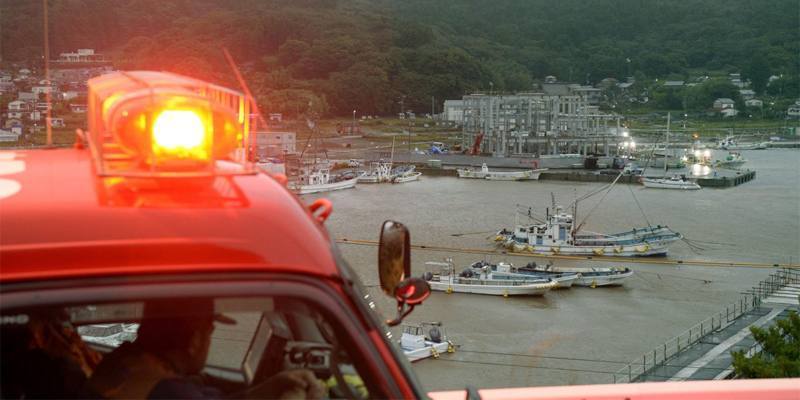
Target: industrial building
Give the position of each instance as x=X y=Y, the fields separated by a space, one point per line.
x=560 y=118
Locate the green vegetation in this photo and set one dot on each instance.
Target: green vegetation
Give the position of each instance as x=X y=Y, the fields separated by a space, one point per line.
x=334 y=56
x=780 y=357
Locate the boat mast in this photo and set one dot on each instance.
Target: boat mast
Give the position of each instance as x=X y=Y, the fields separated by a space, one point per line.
x=666 y=146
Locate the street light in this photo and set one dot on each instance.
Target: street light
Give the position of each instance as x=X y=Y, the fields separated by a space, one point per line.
x=353 y=126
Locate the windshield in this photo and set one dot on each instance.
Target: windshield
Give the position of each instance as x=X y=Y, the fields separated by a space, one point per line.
x=601 y=191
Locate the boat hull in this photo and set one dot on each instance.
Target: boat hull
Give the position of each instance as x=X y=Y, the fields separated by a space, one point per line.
x=594 y=277
x=669 y=184
x=429 y=350
x=563 y=281
x=414 y=176
x=327 y=187
x=534 y=289
x=501 y=176
x=635 y=250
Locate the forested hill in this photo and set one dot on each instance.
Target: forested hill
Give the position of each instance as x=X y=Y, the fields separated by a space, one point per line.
x=342 y=55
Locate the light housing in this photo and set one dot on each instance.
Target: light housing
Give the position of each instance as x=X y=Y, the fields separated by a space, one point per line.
x=160 y=124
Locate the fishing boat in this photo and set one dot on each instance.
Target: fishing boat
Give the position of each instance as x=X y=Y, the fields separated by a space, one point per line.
x=504 y=270
x=446 y=280
x=485 y=173
x=558 y=233
x=320 y=179
x=379 y=172
x=405 y=174
x=674 y=182
x=732 y=160
x=427 y=339
x=730 y=143
x=588 y=276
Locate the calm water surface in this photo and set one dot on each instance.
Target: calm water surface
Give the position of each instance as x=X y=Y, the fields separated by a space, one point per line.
x=575 y=336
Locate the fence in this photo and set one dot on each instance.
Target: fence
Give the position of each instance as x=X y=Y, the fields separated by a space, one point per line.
x=750 y=301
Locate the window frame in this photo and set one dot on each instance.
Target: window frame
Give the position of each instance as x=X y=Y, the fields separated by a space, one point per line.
x=311 y=290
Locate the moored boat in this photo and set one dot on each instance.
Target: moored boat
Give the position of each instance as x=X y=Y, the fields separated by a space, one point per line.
x=674 y=182
x=485 y=173
x=558 y=234
x=427 y=339
x=446 y=280
x=321 y=180
x=504 y=270
x=732 y=160
x=589 y=276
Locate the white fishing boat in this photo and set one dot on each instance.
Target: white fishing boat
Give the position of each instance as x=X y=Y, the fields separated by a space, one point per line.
x=730 y=143
x=379 y=172
x=732 y=160
x=407 y=177
x=446 y=280
x=589 y=276
x=485 y=173
x=320 y=180
x=558 y=233
x=504 y=270
x=674 y=182
x=427 y=339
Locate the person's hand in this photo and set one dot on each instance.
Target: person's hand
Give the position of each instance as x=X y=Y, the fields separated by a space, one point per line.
x=291 y=384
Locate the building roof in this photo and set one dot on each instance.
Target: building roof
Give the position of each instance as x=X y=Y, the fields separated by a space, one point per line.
x=724 y=100
x=242 y=222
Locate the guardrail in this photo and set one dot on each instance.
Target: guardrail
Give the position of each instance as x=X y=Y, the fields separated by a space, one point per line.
x=750 y=301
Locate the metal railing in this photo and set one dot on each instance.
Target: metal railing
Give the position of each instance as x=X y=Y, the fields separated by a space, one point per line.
x=750 y=301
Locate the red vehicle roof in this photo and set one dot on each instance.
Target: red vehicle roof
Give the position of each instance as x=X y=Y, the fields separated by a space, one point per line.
x=59 y=219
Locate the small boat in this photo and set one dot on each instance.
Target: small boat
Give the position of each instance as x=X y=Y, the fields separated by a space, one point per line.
x=729 y=143
x=321 y=180
x=484 y=173
x=427 y=339
x=446 y=280
x=405 y=174
x=408 y=177
x=732 y=160
x=504 y=270
x=589 y=276
x=675 y=182
x=379 y=172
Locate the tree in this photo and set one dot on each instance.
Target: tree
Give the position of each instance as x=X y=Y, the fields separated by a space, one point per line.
x=758 y=72
x=780 y=357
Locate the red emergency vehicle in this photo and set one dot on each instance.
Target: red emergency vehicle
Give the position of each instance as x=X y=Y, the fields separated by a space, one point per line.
x=156 y=219
x=158 y=202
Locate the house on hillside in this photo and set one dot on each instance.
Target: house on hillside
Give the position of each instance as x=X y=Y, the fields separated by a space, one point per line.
x=723 y=103
x=753 y=103
x=747 y=94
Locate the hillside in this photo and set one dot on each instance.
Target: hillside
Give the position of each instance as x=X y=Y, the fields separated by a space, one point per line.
x=342 y=55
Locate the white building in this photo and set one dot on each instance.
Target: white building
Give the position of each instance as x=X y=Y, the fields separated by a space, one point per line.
x=9 y=136
x=454 y=111
x=747 y=94
x=754 y=103
x=723 y=103
x=274 y=144
x=794 y=110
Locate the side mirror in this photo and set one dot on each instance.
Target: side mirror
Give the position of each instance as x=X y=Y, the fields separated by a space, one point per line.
x=394 y=265
x=394 y=256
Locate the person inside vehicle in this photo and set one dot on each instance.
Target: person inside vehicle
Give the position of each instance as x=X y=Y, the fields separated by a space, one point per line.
x=169 y=353
x=45 y=357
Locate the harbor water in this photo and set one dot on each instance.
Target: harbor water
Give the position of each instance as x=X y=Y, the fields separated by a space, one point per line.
x=580 y=335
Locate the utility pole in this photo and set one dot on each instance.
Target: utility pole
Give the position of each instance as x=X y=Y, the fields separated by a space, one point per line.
x=433 y=107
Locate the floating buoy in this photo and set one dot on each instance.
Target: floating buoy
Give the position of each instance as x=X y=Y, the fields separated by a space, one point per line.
x=598 y=252
x=450 y=347
x=555 y=249
x=618 y=250
x=594 y=283
x=449 y=290
x=529 y=248
x=434 y=353
x=505 y=293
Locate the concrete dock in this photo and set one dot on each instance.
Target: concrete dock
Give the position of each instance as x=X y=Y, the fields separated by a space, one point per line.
x=723 y=179
x=704 y=351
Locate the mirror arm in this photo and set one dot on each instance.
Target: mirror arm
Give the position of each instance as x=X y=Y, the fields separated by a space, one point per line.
x=402 y=312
